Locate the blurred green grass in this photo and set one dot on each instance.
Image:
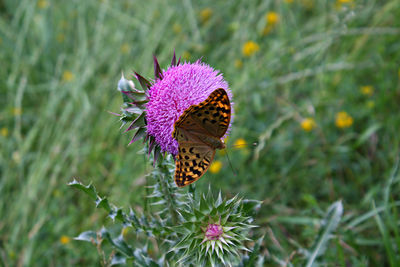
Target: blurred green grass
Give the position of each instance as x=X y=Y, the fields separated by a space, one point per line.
x=61 y=61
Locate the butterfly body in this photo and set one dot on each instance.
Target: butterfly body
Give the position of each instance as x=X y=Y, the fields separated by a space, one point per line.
x=199 y=131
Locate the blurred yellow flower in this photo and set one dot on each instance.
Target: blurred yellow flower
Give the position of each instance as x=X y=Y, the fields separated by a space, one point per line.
x=216 y=166
x=240 y=143
x=125 y=48
x=249 y=48
x=176 y=28
x=67 y=76
x=272 y=18
x=367 y=90
x=308 y=124
x=186 y=55
x=343 y=120
x=16 y=156
x=4 y=131
x=42 y=4
x=17 y=111
x=308 y=4
x=64 y=239
x=205 y=14
x=238 y=63
x=60 y=38
x=340 y=3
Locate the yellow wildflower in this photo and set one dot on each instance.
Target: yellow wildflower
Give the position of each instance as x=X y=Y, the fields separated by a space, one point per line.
x=125 y=48
x=343 y=120
x=64 y=239
x=67 y=76
x=4 y=131
x=272 y=18
x=340 y=3
x=16 y=156
x=240 y=143
x=176 y=28
x=205 y=14
x=308 y=124
x=42 y=4
x=308 y=4
x=17 y=111
x=216 y=166
x=249 y=48
x=60 y=38
x=367 y=90
x=186 y=55
x=371 y=104
x=238 y=63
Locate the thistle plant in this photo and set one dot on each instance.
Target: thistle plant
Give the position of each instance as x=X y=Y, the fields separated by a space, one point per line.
x=184 y=228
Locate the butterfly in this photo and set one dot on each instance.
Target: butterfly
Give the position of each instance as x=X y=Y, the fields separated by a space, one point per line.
x=199 y=131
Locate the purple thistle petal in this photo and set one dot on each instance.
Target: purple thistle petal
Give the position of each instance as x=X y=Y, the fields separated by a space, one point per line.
x=157 y=70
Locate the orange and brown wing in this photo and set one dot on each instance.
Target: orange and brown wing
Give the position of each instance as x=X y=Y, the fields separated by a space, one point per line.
x=192 y=162
x=211 y=116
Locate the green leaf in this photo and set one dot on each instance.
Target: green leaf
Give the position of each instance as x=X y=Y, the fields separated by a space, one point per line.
x=117 y=243
x=89 y=189
x=329 y=225
x=367 y=134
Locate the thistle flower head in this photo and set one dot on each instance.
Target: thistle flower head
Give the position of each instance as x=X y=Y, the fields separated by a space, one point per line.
x=213 y=231
x=166 y=98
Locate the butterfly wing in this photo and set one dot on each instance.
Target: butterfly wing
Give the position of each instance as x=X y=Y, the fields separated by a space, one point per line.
x=198 y=131
x=192 y=162
x=211 y=116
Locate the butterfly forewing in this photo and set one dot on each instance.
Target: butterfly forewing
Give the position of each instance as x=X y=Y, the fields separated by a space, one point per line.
x=192 y=162
x=210 y=116
x=199 y=131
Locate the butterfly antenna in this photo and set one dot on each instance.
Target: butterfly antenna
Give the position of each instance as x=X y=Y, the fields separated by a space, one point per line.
x=230 y=163
x=254 y=144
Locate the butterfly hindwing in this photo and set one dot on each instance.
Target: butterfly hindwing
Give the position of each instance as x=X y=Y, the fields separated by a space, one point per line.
x=192 y=162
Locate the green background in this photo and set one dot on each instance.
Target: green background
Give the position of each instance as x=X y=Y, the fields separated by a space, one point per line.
x=60 y=64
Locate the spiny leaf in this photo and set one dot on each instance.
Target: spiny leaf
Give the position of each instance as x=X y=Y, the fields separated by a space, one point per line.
x=88 y=236
x=89 y=189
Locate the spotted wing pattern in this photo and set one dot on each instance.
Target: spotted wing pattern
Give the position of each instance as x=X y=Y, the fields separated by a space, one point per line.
x=199 y=131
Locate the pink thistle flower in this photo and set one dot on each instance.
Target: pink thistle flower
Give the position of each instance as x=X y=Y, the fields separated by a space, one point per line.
x=153 y=111
x=214 y=231
x=175 y=90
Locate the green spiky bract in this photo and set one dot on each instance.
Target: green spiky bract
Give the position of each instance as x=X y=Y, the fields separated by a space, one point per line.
x=231 y=214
